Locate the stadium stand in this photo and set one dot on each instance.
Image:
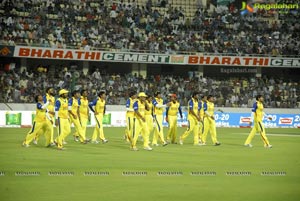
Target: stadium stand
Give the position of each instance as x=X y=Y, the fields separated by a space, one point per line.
x=160 y=26
x=20 y=87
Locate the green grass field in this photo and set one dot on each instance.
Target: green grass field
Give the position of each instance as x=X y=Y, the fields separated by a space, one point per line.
x=237 y=169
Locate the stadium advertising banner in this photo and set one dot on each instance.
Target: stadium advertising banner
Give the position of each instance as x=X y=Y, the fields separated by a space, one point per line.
x=118 y=119
x=130 y=57
x=6 y=51
x=135 y=57
x=50 y=53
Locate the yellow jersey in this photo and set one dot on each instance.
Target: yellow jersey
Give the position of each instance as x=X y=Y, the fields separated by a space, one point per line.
x=150 y=106
x=99 y=105
x=201 y=107
x=51 y=106
x=156 y=101
x=140 y=107
x=193 y=106
x=173 y=108
x=129 y=104
x=84 y=107
x=74 y=104
x=40 y=114
x=210 y=107
x=258 y=109
x=61 y=106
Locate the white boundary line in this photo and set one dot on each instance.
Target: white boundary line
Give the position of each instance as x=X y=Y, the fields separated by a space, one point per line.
x=273 y=134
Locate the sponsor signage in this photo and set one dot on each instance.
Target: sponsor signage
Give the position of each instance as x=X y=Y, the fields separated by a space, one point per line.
x=48 y=53
x=233 y=61
x=117 y=119
x=135 y=57
x=72 y=54
x=6 y=51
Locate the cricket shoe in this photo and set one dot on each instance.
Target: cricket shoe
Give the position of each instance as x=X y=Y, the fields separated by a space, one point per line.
x=217 y=144
x=248 y=145
x=104 y=141
x=64 y=142
x=148 y=148
x=165 y=144
x=157 y=145
x=35 y=142
x=95 y=142
x=268 y=146
x=25 y=145
x=76 y=138
x=181 y=141
x=134 y=149
x=52 y=144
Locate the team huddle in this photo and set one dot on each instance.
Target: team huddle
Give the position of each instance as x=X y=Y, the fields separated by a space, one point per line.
x=144 y=116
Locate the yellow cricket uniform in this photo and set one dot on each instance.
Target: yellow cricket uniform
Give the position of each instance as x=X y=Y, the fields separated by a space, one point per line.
x=99 y=105
x=84 y=115
x=64 y=127
x=149 y=117
x=193 y=125
x=209 y=123
x=139 y=126
x=73 y=106
x=171 y=114
x=158 y=117
x=41 y=123
x=201 y=115
x=129 y=117
x=258 y=126
x=51 y=111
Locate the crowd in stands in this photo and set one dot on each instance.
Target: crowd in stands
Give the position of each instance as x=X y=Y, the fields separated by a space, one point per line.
x=21 y=86
x=157 y=26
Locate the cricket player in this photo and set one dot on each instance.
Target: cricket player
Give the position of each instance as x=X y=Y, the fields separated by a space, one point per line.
x=158 y=104
x=193 y=120
x=257 y=116
x=209 y=121
x=139 y=122
x=129 y=114
x=75 y=118
x=99 y=111
x=62 y=118
x=201 y=115
x=42 y=122
x=84 y=112
x=48 y=97
x=149 y=116
x=171 y=117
